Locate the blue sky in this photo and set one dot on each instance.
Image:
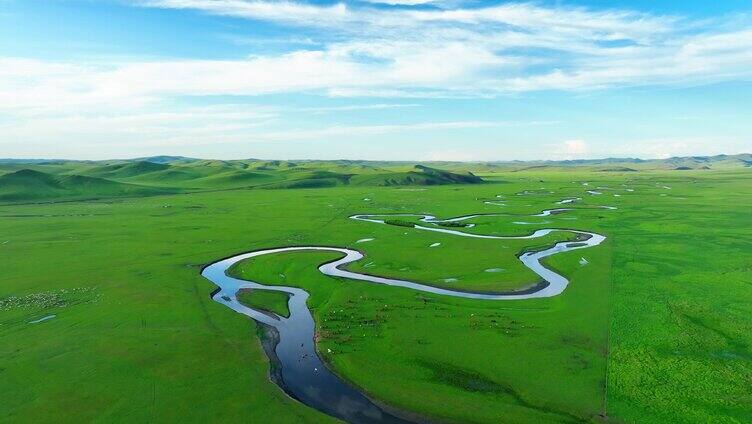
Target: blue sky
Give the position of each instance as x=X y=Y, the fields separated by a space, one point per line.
x=377 y=79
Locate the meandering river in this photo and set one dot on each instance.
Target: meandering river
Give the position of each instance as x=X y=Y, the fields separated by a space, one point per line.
x=300 y=371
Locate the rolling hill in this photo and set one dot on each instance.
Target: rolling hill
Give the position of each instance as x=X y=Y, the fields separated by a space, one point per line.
x=30 y=185
x=47 y=180
x=125 y=169
x=420 y=175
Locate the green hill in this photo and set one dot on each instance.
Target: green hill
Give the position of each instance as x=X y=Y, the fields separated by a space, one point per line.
x=422 y=175
x=235 y=178
x=30 y=185
x=303 y=178
x=195 y=174
x=166 y=159
x=617 y=169
x=24 y=180
x=125 y=169
x=446 y=177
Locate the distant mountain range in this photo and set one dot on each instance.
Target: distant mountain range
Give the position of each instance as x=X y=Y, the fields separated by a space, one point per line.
x=40 y=180
x=691 y=162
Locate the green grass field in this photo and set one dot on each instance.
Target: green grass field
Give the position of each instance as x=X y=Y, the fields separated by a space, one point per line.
x=264 y=300
x=655 y=327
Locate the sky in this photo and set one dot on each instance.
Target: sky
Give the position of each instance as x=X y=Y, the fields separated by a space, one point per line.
x=375 y=79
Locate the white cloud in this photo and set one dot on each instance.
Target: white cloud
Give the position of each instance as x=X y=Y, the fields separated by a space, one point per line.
x=369 y=130
x=455 y=155
x=347 y=108
x=648 y=148
x=667 y=147
x=151 y=126
x=568 y=20
x=575 y=147
x=401 y=2
x=281 y=11
x=362 y=50
x=567 y=150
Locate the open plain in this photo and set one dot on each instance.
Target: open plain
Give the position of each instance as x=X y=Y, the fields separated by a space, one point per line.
x=653 y=325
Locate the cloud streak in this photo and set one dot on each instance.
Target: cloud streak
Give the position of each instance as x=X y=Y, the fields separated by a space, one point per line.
x=407 y=52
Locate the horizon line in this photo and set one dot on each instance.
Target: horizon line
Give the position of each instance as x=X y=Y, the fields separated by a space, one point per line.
x=179 y=157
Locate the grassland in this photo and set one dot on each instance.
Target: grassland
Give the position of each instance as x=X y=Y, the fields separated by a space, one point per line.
x=264 y=300
x=654 y=328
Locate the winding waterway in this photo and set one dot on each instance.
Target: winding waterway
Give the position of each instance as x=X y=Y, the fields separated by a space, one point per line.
x=301 y=373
